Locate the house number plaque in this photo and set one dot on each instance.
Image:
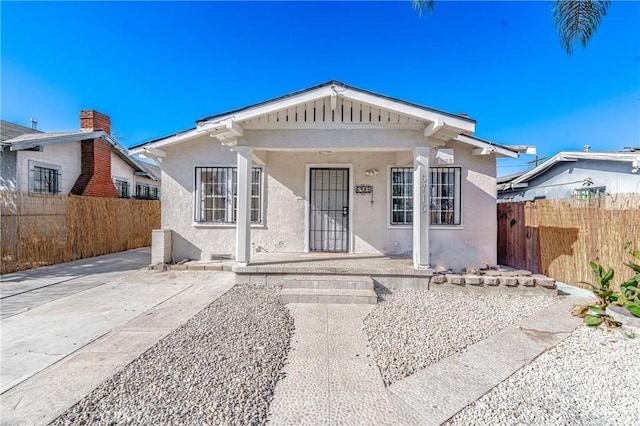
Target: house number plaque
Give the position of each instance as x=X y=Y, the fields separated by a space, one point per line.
x=364 y=189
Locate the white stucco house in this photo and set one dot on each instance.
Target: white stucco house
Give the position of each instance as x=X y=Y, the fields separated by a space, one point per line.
x=89 y=161
x=331 y=168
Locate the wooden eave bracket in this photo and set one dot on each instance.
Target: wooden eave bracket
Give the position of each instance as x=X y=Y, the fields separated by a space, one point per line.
x=433 y=128
x=226 y=131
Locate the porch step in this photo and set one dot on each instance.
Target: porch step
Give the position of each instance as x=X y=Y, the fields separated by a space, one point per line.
x=331 y=295
x=328 y=289
x=327 y=282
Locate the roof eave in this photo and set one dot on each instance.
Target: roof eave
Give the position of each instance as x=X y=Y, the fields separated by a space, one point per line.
x=492 y=147
x=77 y=137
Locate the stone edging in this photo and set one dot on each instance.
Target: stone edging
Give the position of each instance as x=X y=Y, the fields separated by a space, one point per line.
x=496 y=278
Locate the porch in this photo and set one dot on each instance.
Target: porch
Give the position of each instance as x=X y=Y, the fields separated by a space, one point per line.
x=313 y=270
x=273 y=268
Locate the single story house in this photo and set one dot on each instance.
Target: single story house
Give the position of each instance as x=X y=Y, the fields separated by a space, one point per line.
x=332 y=168
x=85 y=162
x=575 y=174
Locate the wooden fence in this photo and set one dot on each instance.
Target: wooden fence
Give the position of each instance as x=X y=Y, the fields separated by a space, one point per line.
x=38 y=230
x=559 y=238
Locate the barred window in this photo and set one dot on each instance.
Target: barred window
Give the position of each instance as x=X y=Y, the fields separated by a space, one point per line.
x=445 y=196
x=217 y=194
x=146 y=192
x=45 y=180
x=401 y=195
x=122 y=186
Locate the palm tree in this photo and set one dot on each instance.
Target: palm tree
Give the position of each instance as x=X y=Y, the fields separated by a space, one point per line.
x=578 y=20
x=575 y=20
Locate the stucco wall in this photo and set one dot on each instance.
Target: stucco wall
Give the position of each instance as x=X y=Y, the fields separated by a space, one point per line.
x=474 y=242
x=283 y=230
x=561 y=180
x=66 y=156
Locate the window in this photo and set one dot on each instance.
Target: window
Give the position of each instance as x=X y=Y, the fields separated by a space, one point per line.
x=45 y=179
x=217 y=194
x=401 y=195
x=122 y=186
x=146 y=192
x=444 y=196
x=589 y=192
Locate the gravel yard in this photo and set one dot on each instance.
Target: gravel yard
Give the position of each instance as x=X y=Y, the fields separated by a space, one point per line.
x=220 y=367
x=591 y=378
x=412 y=329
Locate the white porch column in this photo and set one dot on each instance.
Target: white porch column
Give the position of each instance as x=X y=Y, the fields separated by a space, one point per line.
x=243 y=222
x=421 y=207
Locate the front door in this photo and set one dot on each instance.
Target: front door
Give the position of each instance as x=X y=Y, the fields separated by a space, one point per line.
x=329 y=210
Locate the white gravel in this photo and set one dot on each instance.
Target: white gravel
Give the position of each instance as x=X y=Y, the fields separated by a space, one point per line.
x=591 y=378
x=412 y=329
x=220 y=367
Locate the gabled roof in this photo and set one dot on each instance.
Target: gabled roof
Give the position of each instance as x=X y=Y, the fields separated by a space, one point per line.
x=328 y=84
x=10 y=130
x=520 y=180
x=34 y=140
x=327 y=98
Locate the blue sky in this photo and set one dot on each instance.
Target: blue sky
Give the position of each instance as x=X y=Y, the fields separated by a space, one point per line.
x=156 y=67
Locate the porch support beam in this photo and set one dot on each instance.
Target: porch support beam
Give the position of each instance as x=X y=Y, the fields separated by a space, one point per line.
x=421 y=207
x=243 y=222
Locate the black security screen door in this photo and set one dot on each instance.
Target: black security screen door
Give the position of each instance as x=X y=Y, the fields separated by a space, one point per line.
x=329 y=212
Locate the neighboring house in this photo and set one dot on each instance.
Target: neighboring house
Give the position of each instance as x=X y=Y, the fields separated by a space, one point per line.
x=329 y=169
x=86 y=162
x=580 y=174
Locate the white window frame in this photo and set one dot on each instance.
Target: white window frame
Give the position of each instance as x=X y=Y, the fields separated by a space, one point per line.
x=230 y=198
x=31 y=177
x=390 y=197
x=457 y=197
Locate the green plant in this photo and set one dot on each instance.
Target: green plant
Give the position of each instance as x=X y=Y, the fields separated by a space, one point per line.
x=628 y=296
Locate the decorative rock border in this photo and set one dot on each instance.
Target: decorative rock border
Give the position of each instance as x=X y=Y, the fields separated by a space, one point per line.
x=497 y=279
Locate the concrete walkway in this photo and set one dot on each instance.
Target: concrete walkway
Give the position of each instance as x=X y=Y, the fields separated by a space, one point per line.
x=21 y=291
x=332 y=377
x=331 y=374
x=56 y=353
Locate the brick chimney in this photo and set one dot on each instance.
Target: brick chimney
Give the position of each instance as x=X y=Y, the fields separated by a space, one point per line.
x=95 y=158
x=92 y=121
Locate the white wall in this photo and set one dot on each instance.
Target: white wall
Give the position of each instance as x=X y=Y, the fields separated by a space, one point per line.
x=66 y=156
x=471 y=244
x=122 y=171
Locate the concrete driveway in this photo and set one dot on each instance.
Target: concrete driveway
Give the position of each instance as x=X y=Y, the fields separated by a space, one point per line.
x=74 y=325
x=24 y=290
